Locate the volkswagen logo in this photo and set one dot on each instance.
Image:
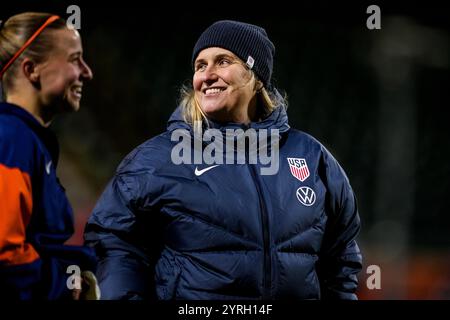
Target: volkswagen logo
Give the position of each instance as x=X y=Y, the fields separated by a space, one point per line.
x=306 y=196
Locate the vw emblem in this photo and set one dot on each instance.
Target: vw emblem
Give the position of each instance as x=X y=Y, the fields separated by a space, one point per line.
x=306 y=196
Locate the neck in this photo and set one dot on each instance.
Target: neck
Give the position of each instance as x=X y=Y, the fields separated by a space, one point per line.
x=33 y=106
x=248 y=115
x=251 y=114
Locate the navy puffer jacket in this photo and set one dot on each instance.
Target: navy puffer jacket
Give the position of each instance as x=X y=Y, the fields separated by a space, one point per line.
x=167 y=231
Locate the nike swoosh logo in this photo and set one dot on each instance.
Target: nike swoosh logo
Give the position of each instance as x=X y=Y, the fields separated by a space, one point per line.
x=47 y=167
x=200 y=172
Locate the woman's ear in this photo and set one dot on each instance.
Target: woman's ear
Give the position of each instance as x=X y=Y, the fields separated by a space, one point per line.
x=30 y=70
x=259 y=85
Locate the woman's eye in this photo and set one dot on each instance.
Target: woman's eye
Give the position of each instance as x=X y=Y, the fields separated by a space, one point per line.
x=75 y=60
x=200 y=67
x=224 y=62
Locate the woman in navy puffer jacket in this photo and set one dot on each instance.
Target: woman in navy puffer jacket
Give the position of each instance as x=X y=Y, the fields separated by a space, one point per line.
x=229 y=202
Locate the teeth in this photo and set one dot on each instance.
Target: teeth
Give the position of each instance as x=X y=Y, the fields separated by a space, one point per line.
x=212 y=91
x=77 y=92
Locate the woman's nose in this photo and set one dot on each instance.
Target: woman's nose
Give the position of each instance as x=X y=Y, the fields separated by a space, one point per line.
x=210 y=74
x=86 y=71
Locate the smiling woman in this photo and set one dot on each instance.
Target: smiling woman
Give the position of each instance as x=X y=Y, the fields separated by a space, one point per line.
x=45 y=74
x=42 y=73
x=166 y=228
x=224 y=86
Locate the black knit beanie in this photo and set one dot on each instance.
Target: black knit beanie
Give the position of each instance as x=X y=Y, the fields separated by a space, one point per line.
x=249 y=42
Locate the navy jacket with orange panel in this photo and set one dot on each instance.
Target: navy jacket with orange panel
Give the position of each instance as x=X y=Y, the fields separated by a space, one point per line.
x=35 y=215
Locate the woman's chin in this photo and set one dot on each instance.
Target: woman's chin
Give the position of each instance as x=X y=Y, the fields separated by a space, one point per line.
x=72 y=105
x=211 y=110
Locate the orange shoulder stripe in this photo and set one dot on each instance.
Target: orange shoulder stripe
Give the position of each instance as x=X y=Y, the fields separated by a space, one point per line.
x=16 y=205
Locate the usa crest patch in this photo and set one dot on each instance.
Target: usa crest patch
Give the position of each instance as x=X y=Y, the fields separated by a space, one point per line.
x=299 y=168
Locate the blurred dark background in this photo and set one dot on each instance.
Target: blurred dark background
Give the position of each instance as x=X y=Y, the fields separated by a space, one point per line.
x=376 y=98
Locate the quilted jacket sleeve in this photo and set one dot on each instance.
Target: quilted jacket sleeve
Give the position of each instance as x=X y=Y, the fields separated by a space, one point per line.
x=124 y=270
x=340 y=258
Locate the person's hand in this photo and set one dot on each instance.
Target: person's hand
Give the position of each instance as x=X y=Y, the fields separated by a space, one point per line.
x=89 y=288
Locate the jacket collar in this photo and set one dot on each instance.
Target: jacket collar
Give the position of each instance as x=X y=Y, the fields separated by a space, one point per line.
x=47 y=137
x=278 y=119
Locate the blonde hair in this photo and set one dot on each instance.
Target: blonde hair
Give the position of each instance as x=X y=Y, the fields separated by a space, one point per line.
x=192 y=113
x=13 y=35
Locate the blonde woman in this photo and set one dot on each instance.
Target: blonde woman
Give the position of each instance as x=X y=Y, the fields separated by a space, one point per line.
x=202 y=219
x=42 y=75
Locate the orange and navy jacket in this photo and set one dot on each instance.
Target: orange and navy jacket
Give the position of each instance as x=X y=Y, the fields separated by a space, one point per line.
x=35 y=215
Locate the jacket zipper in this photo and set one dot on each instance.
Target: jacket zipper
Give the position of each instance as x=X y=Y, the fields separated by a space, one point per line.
x=267 y=265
